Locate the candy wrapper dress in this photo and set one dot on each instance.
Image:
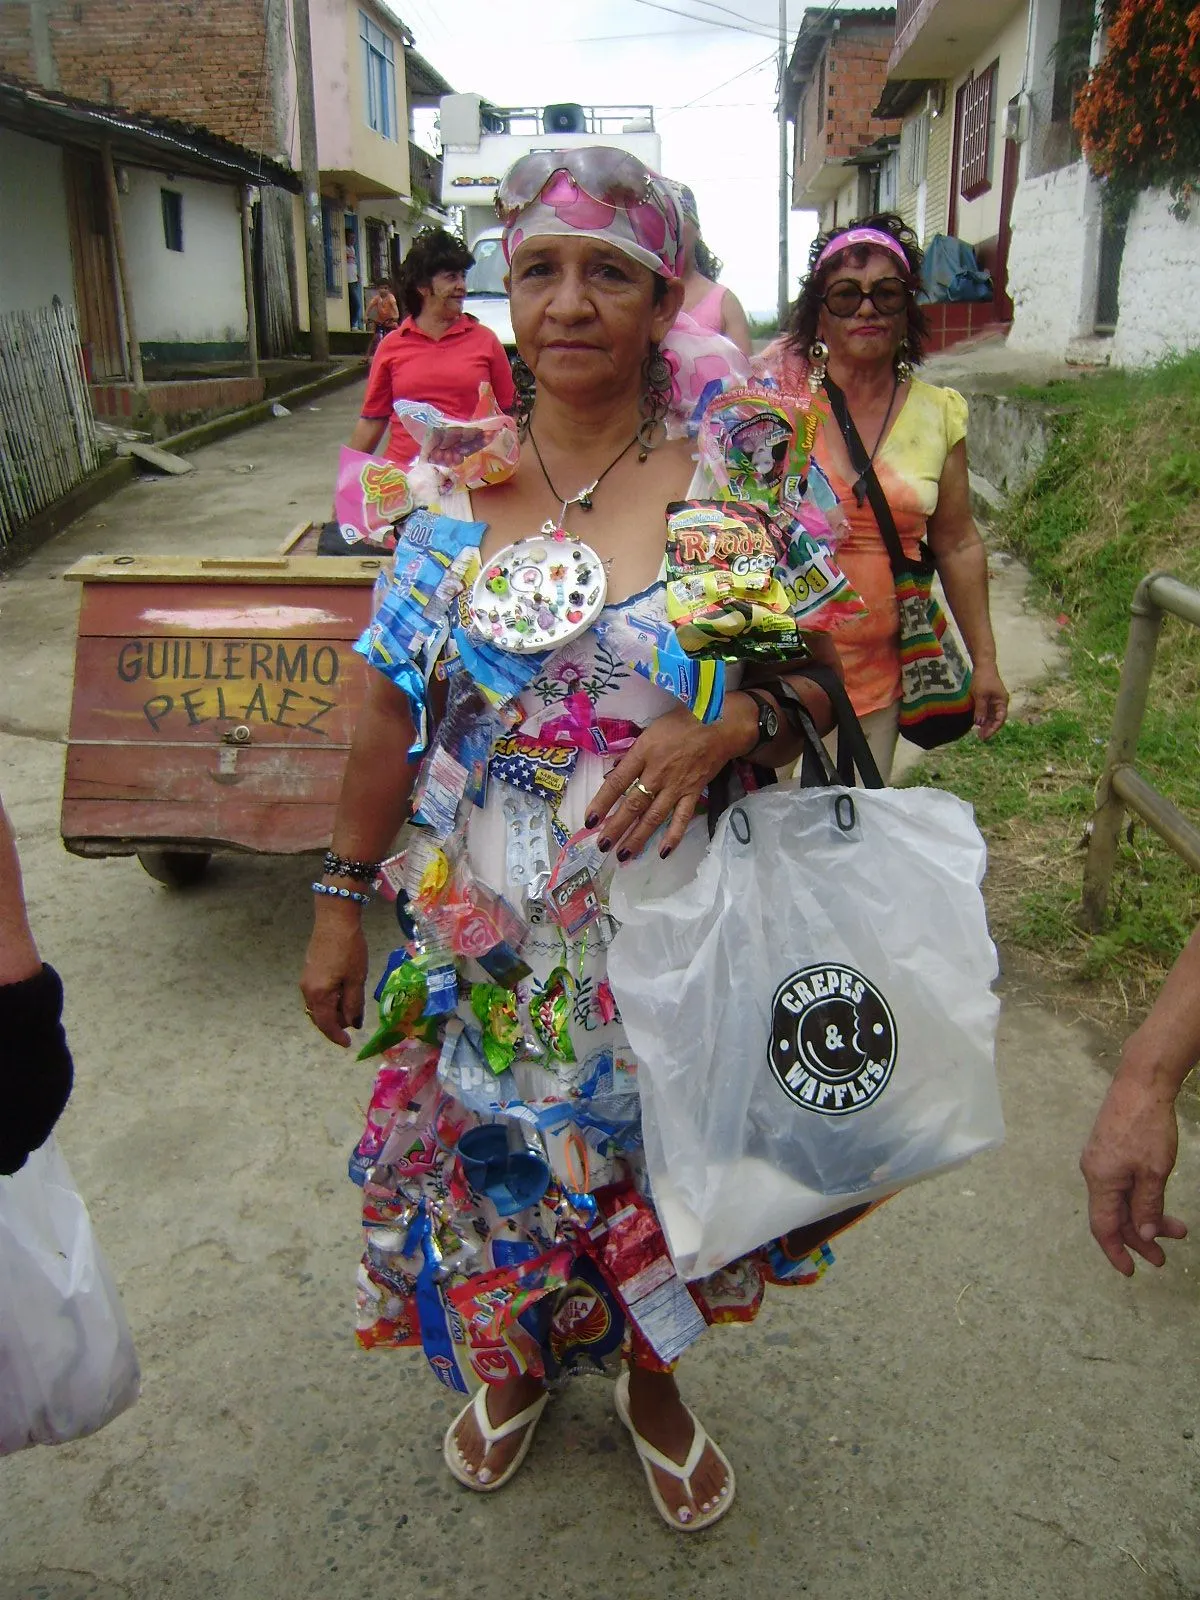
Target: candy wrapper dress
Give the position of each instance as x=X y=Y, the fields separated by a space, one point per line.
x=507 y=1224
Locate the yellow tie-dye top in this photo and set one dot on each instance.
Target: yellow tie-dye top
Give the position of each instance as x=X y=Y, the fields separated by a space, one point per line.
x=909 y=467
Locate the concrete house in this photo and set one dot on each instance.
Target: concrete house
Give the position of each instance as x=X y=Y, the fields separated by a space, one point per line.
x=988 y=153
x=139 y=224
x=228 y=67
x=378 y=186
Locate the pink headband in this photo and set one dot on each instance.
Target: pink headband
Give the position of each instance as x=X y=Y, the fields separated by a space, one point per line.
x=871 y=236
x=646 y=232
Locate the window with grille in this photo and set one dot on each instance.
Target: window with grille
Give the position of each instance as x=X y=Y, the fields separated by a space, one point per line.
x=379 y=75
x=331 y=217
x=978 y=133
x=915 y=142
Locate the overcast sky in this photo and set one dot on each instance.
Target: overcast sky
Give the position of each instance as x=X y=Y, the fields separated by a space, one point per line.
x=713 y=89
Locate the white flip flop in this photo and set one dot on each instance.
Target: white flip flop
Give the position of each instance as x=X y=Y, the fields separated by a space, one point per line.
x=651 y=1458
x=492 y=1434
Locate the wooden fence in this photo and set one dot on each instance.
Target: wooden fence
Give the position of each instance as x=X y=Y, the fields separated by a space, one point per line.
x=47 y=429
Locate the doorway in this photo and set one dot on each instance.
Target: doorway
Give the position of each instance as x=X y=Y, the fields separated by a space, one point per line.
x=92 y=256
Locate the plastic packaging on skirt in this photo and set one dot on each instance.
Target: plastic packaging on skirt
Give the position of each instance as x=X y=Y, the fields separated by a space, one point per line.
x=811 y=1013
x=67 y=1362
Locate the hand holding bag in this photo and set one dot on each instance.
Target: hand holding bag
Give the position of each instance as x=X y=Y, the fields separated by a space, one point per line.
x=67 y=1362
x=936 y=703
x=811 y=1012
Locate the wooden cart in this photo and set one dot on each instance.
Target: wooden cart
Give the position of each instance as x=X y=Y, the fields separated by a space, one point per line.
x=213 y=705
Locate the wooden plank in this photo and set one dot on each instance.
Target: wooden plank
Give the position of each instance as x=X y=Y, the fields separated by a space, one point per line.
x=224 y=610
x=293 y=538
x=326 y=571
x=172 y=690
x=187 y=776
x=274 y=828
x=160 y=460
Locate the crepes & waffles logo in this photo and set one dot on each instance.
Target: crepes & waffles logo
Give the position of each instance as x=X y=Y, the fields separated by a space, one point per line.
x=833 y=1039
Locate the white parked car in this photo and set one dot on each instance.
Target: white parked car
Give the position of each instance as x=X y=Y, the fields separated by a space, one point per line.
x=486 y=297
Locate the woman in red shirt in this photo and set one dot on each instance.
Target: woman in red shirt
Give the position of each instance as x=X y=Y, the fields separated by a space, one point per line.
x=437 y=354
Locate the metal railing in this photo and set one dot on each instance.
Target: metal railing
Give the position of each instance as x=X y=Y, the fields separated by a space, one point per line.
x=425 y=171
x=1121 y=786
x=596 y=119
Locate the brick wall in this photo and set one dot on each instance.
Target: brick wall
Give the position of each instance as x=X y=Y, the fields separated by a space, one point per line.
x=16 y=48
x=855 y=70
x=198 y=63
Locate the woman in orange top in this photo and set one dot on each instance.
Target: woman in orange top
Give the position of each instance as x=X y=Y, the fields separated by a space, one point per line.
x=857 y=318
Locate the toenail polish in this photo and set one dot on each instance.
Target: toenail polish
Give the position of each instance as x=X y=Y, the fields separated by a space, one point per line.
x=484 y=1476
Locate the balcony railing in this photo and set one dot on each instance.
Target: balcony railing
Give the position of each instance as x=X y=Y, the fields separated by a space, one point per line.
x=906 y=10
x=425 y=172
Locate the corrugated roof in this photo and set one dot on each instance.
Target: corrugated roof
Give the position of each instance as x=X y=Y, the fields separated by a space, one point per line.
x=135 y=137
x=425 y=82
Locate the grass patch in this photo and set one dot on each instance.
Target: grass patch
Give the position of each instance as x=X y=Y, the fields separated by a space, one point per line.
x=1117 y=496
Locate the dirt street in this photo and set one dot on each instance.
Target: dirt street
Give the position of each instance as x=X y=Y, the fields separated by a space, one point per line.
x=970 y=1404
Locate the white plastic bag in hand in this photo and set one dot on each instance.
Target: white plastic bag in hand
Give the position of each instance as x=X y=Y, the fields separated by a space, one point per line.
x=811 y=1012
x=67 y=1362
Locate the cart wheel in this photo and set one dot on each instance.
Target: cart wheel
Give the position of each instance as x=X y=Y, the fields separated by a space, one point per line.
x=178 y=869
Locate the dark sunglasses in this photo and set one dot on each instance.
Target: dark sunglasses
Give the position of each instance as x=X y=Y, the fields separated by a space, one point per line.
x=843 y=298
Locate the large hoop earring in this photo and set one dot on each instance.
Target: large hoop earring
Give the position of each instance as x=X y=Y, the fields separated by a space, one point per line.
x=656 y=397
x=526 y=386
x=901 y=363
x=818 y=355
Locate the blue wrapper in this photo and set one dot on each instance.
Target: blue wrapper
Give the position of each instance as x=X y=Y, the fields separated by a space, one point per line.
x=641 y=636
x=412 y=611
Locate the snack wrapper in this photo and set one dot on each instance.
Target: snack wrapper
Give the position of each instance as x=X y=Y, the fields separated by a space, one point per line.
x=756 y=443
x=456 y=454
x=722 y=594
x=633 y=1255
x=372 y=495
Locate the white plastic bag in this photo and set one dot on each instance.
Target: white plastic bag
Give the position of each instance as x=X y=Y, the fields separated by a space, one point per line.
x=811 y=1012
x=67 y=1362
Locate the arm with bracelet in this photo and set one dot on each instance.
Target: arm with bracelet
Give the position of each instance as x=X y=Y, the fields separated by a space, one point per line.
x=373 y=806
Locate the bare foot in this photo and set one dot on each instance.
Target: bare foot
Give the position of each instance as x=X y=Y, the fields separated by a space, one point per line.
x=659 y=1415
x=504 y=1401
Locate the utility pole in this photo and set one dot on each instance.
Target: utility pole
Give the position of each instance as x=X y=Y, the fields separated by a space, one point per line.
x=314 y=235
x=785 y=199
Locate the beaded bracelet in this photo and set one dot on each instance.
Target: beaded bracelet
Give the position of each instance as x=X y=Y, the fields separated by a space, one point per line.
x=341 y=894
x=342 y=867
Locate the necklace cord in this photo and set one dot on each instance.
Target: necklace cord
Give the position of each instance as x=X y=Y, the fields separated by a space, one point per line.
x=584 y=496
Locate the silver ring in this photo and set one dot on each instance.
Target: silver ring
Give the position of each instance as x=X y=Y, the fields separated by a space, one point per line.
x=641 y=789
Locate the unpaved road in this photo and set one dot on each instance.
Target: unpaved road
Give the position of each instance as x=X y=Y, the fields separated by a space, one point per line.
x=971 y=1404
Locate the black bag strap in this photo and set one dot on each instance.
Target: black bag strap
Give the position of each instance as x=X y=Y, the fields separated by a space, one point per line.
x=853 y=752
x=865 y=468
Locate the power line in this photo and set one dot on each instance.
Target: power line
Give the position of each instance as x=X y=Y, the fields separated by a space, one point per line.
x=691 y=16
x=744 y=73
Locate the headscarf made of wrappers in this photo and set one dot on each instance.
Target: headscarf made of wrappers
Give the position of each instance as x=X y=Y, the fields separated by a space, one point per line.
x=702 y=363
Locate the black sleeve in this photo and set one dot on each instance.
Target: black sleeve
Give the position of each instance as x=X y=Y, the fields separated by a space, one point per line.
x=36 y=1071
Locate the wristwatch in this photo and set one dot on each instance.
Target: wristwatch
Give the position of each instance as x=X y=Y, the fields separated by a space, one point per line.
x=768 y=720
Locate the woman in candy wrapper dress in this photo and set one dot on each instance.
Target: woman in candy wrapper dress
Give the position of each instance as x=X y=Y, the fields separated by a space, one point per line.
x=534 y=712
